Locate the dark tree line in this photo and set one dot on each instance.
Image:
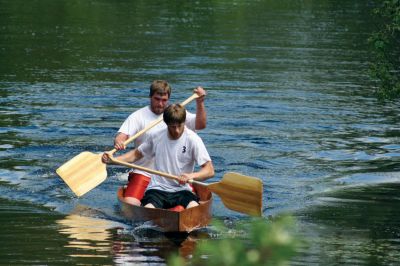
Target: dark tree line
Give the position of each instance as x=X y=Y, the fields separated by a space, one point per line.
x=385 y=42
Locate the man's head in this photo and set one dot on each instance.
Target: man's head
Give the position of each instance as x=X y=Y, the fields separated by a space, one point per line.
x=174 y=117
x=160 y=91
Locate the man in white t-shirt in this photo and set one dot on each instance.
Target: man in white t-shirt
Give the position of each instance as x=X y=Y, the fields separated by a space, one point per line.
x=176 y=151
x=160 y=92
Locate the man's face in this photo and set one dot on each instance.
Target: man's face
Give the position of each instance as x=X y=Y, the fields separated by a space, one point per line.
x=176 y=130
x=158 y=102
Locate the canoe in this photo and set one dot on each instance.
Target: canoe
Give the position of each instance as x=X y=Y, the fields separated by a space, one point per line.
x=186 y=220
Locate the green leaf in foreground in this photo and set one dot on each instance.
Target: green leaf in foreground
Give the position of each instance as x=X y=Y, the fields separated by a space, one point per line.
x=258 y=242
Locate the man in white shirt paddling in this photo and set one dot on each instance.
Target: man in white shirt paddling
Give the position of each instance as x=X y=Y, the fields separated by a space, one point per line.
x=176 y=149
x=160 y=92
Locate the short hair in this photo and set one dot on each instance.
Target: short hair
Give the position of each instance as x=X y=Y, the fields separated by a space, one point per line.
x=160 y=87
x=174 y=114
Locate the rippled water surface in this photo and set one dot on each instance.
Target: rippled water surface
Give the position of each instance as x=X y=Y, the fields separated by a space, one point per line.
x=289 y=101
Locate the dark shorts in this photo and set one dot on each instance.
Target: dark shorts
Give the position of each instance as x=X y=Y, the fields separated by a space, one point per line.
x=165 y=200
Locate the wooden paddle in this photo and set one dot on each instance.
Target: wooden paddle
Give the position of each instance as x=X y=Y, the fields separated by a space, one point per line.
x=238 y=192
x=85 y=171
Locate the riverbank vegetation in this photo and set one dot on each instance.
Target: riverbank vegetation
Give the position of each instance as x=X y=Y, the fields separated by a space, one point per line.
x=385 y=42
x=260 y=242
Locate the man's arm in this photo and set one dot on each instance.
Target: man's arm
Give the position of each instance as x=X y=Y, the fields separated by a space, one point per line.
x=206 y=172
x=201 y=115
x=119 y=140
x=129 y=157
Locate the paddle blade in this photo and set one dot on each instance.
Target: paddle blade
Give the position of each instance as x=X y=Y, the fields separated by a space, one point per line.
x=83 y=172
x=240 y=193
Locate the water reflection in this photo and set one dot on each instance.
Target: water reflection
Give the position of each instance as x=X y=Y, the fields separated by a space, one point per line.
x=151 y=246
x=90 y=237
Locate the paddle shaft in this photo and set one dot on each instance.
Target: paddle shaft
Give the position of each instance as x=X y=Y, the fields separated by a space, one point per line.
x=151 y=171
x=152 y=124
x=148 y=170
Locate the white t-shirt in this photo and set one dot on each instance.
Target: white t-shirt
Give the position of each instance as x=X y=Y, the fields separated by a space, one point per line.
x=174 y=157
x=140 y=119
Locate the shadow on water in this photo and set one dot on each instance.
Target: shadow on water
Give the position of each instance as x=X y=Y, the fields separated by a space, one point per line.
x=25 y=231
x=353 y=220
x=80 y=239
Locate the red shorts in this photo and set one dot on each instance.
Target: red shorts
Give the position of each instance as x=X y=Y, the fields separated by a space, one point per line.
x=137 y=185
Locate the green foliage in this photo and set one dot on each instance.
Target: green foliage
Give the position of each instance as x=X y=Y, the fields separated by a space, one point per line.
x=260 y=242
x=386 y=49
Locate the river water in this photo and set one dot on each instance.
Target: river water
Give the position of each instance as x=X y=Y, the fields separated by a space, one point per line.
x=289 y=101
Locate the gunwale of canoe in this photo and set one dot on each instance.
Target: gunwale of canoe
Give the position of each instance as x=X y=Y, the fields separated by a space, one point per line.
x=171 y=221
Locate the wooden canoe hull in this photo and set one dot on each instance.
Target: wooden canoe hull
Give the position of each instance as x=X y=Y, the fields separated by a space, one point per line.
x=172 y=221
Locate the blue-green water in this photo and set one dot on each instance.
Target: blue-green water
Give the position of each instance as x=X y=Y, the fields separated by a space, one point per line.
x=290 y=101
